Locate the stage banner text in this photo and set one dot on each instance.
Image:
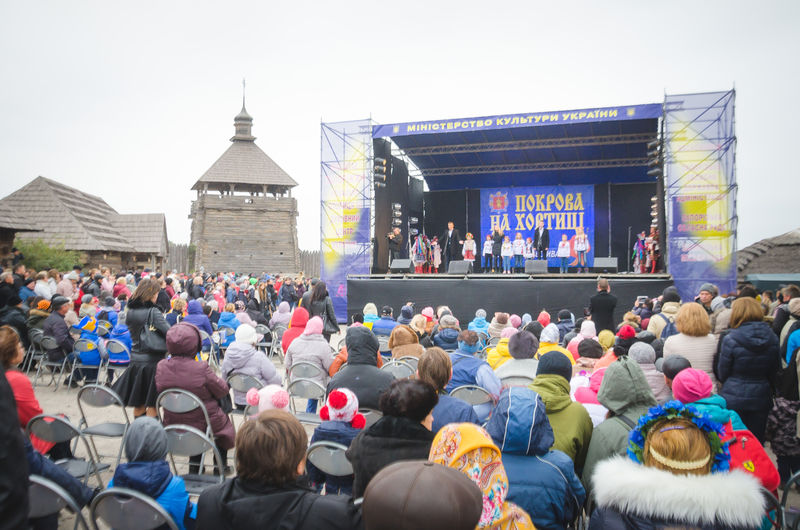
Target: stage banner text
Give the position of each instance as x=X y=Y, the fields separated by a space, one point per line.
x=562 y=209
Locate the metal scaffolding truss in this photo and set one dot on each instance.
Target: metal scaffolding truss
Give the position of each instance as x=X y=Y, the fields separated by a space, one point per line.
x=535 y=166
x=544 y=143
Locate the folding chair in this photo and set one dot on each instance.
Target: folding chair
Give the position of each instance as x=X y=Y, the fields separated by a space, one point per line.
x=242 y=383
x=180 y=401
x=229 y=332
x=383 y=344
x=341 y=344
x=774 y=510
x=126 y=509
x=49 y=343
x=371 y=416
x=115 y=347
x=329 y=457
x=305 y=389
x=56 y=429
x=304 y=370
x=83 y=346
x=100 y=396
x=103 y=328
x=277 y=336
x=213 y=356
x=45 y=497
x=399 y=369
x=409 y=360
x=481 y=354
x=265 y=345
x=516 y=380
x=449 y=350
x=187 y=441
x=494 y=341
x=472 y=394
x=483 y=337
x=35 y=350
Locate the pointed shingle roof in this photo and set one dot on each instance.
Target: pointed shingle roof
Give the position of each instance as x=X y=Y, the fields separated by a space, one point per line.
x=12 y=219
x=772 y=255
x=146 y=232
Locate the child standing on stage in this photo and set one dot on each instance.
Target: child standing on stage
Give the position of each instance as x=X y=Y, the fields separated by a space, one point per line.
x=436 y=253
x=563 y=253
x=487 y=262
x=519 y=250
x=581 y=247
x=468 y=250
x=507 y=252
x=528 y=249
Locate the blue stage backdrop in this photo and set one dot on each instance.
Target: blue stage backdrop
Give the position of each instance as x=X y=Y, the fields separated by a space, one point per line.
x=562 y=208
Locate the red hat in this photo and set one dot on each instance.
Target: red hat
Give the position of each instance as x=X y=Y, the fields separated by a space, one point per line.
x=626 y=332
x=342 y=405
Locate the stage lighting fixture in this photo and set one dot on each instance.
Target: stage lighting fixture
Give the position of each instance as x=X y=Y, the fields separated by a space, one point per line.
x=654 y=198
x=379 y=172
x=652 y=162
x=397 y=222
x=413 y=220
x=413 y=231
x=380 y=184
x=653 y=143
x=653 y=172
x=397 y=206
x=652 y=153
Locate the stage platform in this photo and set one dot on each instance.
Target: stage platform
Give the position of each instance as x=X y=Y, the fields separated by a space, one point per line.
x=515 y=293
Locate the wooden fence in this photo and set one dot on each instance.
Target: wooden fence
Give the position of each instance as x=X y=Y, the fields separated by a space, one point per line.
x=309 y=262
x=178 y=258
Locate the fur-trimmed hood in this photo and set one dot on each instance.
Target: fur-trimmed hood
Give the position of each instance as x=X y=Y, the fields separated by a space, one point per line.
x=726 y=499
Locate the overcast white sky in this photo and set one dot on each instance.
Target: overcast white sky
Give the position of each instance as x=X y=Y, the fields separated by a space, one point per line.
x=134 y=101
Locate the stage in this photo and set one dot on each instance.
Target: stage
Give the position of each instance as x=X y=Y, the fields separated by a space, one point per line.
x=516 y=293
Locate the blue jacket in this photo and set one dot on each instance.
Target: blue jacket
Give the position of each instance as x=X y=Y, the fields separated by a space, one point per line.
x=465 y=370
x=155 y=480
x=332 y=431
x=110 y=316
x=446 y=339
x=749 y=358
x=229 y=320
x=25 y=293
x=452 y=410
x=93 y=357
x=564 y=327
x=196 y=316
x=542 y=482
x=120 y=333
x=384 y=326
x=479 y=324
x=38 y=464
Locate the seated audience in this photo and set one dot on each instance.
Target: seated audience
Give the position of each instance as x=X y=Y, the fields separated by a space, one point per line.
x=243 y=358
x=404 y=342
x=177 y=312
x=296 y=327
x=436 y=369
x=469 y=449
x=585 y=389
x=522 y=348
x=196 y=317
x=38 y=313
x=270 y=397
x=310 y=347
x=361 y=375
x=385 y=324
x=269 y=490
x=227 y=319
x=549 y=342
x=672 y=366
x=541 y=481
x=588 y=352
x=645 y=355
x=571 y=424
x=564 y=324
x=281 y=317
x=479 y=323
x=148 y=472
x=470 y=370
x=499 y=355
x=586 y=331
x=403 y=433
x=497 y=325
x=447 y=337
x=418 y=324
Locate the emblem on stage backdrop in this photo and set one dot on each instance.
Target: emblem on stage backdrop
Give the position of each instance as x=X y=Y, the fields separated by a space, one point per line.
x=498 y=202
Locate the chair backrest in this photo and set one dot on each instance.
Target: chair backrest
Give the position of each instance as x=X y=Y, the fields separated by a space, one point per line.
x=126 y=509
x=104 y=324
x=49 y=343
x=399 y=369
x=329 y=457
x=279 y=330
x=411 y=361
x=494 y=341
x=261 y=329
x=371 y=416
x=383 y=342
x=180 y=401
x=305 y=370
x=51 y=428
x=183 y=440
x=35 y=337
x=102 y=332
x=483 y=336
x=114 y=346
x=306 y=388
x=45 y=497
x=99 y=396
x=472 y=394
x=341 y=344
x=773 y=512
x=243 y=382
x=84 y=345
x=516 y=380
x=229 y=331
x=203 y=338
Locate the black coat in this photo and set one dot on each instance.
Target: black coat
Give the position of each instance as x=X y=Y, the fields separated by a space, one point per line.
x=541 y=242
x=601 y=307
x=748 y=364
x=454 y=251
x=54 y=326
x=15 y=317
x=388 y=440
x=238 y=504
x=163 y=301
x=324 y=310
x=361 y=374
x=497 y=243
x=136 y=318
x=782 y=316
x=14 y=477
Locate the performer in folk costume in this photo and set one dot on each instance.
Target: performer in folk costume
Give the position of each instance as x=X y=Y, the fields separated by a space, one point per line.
x=436 y=254
x=581 y=248
x=421 y=253
x=639 y=251
x=468 y=249
x=653 y=252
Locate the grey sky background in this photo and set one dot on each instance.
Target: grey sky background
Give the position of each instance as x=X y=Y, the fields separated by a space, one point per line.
x=134 y=101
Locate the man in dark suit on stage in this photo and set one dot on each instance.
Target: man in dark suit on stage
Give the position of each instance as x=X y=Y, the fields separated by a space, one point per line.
x=602 y=305
x=451 y=242
x=541 y=240
x=395 y=244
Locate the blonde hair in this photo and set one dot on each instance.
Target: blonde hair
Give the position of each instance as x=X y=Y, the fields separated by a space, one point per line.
x=745 y=310
x=631 y=317
x=678 y=446
x=230 y=308
x=418 y=323
x=179 y=304
x=692 y=320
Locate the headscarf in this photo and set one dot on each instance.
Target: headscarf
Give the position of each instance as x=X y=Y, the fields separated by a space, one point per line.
x=469 y=449
x=606 y=339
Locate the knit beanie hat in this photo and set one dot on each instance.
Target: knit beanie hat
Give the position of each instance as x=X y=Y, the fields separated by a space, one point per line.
x=448 y=321
x=342 y=405
x=549 y=334
x=544 y=318
x=564 y=314
x=670 y=294
x=515 y=321
x=313 y=327
x=44 y=305
x=555 y=362
x=246 y=334
x=508 y=332
x=626 y=336
x=427 y=313
x=709 y=288
x=642 y=353
x=691 y=385
x=481 y=313
x=407 y=312
x=794 y=306
x=523 y=345
x=588 y=329
x=535 y=328
x=58 y=301
x=268 y=398
x=526 y=317
x=87 y=299
x=590 y=348
x=501 y=318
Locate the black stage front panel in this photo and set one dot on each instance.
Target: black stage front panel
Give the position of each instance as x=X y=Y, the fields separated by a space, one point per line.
x=510 y=295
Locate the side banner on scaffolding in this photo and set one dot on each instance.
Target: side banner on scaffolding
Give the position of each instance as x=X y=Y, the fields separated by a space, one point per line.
x=700 y=185
x=345 y=196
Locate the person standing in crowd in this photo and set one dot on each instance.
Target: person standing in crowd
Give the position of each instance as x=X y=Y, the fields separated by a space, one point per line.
x=708 y=291
x=602 y=305
x=395 y=238
x=749 y=359
x=670 y=303
x=694 y=339
x=782 y=314
x=450 y=241
x=321 y=306
x=310 y=347
x=497 y=248
x=541 y=239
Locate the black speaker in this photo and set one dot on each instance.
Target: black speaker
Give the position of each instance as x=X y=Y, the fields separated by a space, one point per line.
x=459 y=267
x=605 y=264
x=401 y=265
x=536 y=266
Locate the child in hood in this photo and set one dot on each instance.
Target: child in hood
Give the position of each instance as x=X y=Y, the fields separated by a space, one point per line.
x=341 y=422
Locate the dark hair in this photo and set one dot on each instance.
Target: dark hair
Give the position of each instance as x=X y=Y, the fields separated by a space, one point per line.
x=590 y=348
x=207 y=309
x=468 y=336
x=674 y=364
x=535 y=328
x=523 y=345
x=319 y=292
x=270 y=447
x=357 y=317
x=748 y=291
x=146 y=290
x=409 y=398
x=9 y=341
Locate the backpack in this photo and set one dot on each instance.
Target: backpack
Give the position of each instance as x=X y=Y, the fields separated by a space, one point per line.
x=102 y=315
x=787 y=384
x=749 y=455
x=670 y=329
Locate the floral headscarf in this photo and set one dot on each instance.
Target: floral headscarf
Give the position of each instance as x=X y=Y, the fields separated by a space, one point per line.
x=469 y=449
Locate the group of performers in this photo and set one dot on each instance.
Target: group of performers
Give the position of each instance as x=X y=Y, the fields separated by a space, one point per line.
x=646 y=252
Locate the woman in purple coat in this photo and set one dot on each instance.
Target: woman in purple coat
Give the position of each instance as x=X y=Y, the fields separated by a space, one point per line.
x=184 y=372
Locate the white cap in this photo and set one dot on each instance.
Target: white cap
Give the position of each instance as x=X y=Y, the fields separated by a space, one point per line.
x=246 y=333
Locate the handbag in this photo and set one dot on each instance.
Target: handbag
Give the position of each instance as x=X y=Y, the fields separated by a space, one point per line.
x=226 y=403
x=150 y=340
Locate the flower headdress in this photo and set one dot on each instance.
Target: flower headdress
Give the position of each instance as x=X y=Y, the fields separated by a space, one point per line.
x=675 y=409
